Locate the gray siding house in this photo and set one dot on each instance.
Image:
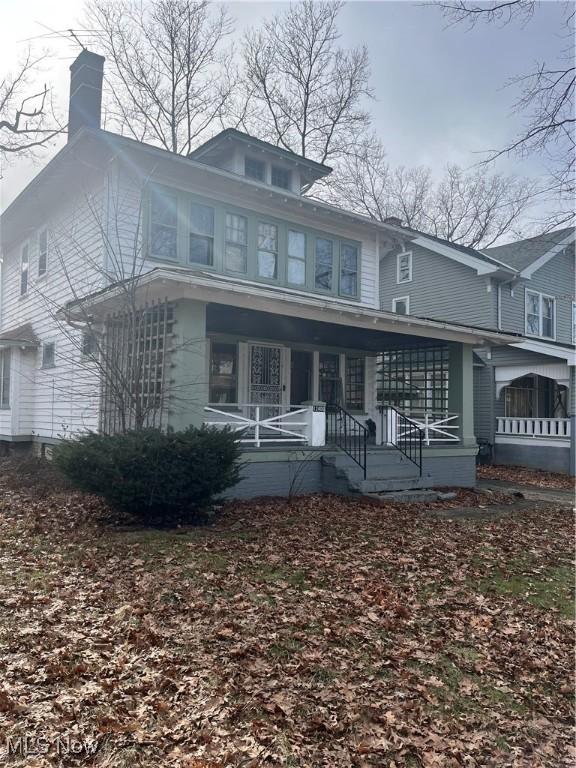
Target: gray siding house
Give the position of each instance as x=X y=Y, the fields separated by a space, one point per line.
x=524 y=402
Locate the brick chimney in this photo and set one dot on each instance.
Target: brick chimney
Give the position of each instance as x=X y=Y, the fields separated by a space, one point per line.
x=85 y=105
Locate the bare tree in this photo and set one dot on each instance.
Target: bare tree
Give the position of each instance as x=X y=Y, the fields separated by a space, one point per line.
x=168 y=75
x=305 y=93
x=27 y=116
x=546 y=101
x=471 y=208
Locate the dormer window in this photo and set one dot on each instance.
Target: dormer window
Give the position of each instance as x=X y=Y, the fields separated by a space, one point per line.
x=254 y=169
x=280 y=177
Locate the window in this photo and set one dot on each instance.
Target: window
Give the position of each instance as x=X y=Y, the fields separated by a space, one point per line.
x=540 y=315
x=24 y=264
x=236 y=251
x=42 y=252
x=574 y=322
x=5 y=378
x=201 y=236
x=296 y=257
x=163 y=225
x=414 y=380
x=267 y=250
x=280 y=177
x=355 y=383
x=401 y=305
x=404 y=267
x=223 y=373
x=48 y=355
x=89 y=345
x=254 y=169
x=324 y=258
x=348 y=270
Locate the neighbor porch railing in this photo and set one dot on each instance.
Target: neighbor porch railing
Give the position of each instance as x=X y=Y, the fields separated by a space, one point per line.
x=532 y=427
x=269 y=423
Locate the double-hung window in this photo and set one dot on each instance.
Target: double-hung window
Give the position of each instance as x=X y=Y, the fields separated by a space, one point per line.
x=574 y=322
x=324 y=263
x=540 y=315
x=254 y=169
x=42 y=252
x=236 y=248
x=267 y=250
x=404 y=267
x=280 y=177
x=296 y=257
x=5 y=378
x=163 y=224
x=48 y=355
x=201 y=234
x=348 y=269
x=24 y=270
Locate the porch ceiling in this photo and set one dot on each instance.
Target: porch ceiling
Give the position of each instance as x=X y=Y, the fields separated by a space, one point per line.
x=253 y=324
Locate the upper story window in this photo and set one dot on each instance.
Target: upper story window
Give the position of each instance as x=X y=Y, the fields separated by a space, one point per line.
x=267 y=250
x=324 y=263
x=24 y=270
x=49 y=355
x=296 y=257
x=42 y=252
x=401 y=305
x=348 y=269
x=404 y=267
x=236 y=246
x=280 y=177
x=254 y=169
x=5 y=355
x=574 y=322
x=540 y=315
x=201 y=235
x=164 y=224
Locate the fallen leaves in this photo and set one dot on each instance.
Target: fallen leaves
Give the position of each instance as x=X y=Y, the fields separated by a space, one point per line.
x=327 y=632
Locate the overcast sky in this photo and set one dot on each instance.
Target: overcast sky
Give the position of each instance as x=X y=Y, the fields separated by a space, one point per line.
x=440 y=94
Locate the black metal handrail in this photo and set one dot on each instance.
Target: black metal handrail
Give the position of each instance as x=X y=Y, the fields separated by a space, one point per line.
x=404 y=434
x=347 y=433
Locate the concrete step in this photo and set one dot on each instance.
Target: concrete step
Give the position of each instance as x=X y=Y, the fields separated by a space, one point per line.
x=381 y=485
x=406 y=497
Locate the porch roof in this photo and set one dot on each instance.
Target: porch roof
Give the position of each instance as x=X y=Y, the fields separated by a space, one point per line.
x=175 y=283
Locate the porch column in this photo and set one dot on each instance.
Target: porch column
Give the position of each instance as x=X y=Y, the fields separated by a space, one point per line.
x=188 y=375
x=461 y=390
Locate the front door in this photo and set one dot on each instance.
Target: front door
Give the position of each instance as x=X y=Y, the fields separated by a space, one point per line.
x=266 y=376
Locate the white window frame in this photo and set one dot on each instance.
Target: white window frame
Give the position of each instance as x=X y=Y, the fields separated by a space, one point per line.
x=45 y=345
x=541 y=296
x=574 y=322
x=25 y=269
x=42 y=234
x=406 y=300
x=5 y=365
x=398 y=259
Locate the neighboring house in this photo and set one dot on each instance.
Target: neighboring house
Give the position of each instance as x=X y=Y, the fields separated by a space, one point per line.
x=224 y=296
x=524 y=401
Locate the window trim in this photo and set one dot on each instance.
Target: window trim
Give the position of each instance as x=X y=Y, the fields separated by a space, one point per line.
x=227 y=242
x=398 y=257
x=574 y=322
x=303 y=259
x=277 y=252
x=335 y=257
x=42 y=273
x=406 y=300
x=46 y=344
x=262 y=163
x=190 y=232
x=25 y=271
x=156 y=188
x=541 y=296
x=5 y=355
x=287 y=171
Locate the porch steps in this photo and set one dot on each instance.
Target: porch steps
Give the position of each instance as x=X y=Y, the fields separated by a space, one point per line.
x=387 y=470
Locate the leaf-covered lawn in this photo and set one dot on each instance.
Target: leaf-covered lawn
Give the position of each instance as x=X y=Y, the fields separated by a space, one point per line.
x=327 y=633
x=526 y=476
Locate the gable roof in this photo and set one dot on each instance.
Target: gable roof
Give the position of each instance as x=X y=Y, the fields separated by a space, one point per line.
x=533 y=252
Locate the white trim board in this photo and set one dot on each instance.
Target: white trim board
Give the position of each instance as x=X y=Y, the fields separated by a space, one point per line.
x=545 y=258
x=481 y=267
x=505 y=374
x=533 y=442
x=542 y=348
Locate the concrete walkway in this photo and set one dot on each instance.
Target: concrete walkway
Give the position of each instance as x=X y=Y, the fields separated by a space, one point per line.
x=530 y=492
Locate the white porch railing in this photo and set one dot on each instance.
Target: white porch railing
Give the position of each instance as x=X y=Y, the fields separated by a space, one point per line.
x=269 y=423
x=528 y=427
x=436 y=427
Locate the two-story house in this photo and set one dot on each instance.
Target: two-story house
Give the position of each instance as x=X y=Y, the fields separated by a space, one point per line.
x=143 y=287
x=524 y=401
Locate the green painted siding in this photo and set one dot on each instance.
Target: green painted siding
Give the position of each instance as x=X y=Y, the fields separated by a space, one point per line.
x=180 y=223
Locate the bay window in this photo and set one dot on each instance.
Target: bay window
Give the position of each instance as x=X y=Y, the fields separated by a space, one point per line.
x=324 y=260
x=236 y=247
x=267 y=250
x=296 y=257
x=201 y=236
